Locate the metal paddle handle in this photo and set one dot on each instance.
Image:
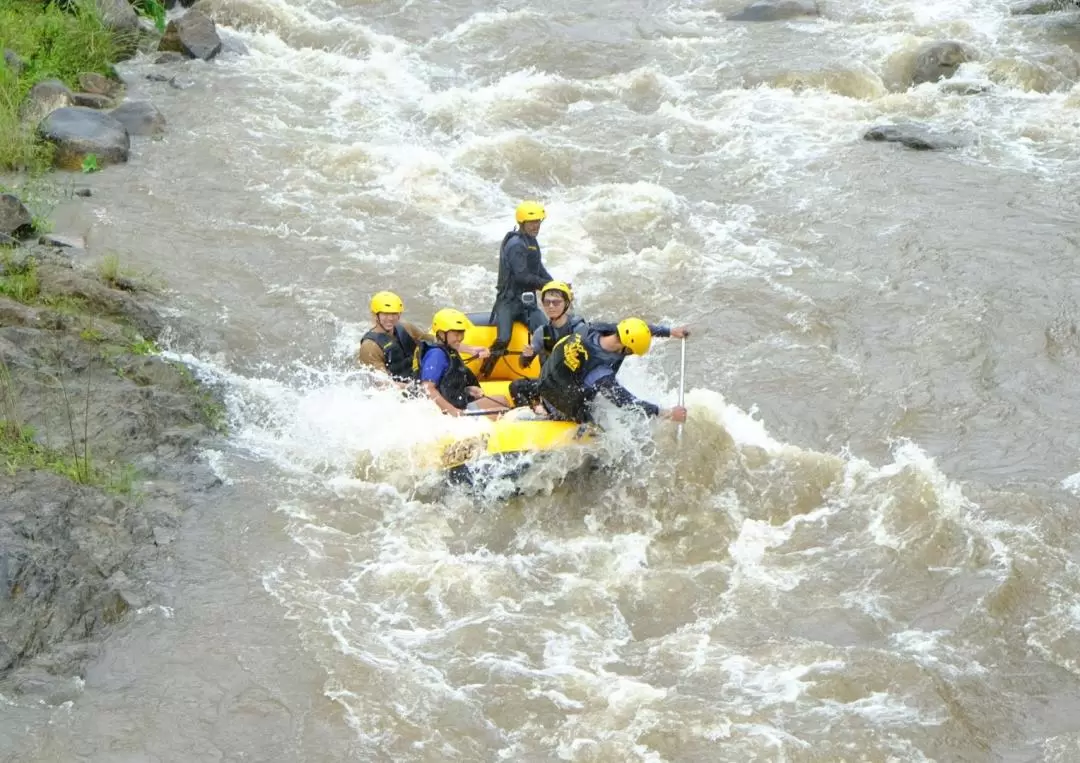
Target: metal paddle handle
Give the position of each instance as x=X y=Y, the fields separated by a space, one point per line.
x=682 y=385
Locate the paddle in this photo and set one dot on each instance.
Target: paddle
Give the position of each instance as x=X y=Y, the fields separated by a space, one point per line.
x=682 y=387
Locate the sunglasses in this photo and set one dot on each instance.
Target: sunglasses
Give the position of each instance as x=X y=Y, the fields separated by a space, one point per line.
x=554 y=302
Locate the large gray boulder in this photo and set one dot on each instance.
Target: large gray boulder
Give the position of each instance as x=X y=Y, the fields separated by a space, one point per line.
x=194 y=34
x=118 y=15
x=77 y=131
x=14 y=217
x=121 y=19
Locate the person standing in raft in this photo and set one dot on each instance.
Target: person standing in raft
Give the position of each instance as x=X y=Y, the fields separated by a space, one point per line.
x=521 y=273
x=584 y=364
x=391 y=344
x=444 y=375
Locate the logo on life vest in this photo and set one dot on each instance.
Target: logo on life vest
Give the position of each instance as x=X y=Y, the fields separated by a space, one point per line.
x=574 y=353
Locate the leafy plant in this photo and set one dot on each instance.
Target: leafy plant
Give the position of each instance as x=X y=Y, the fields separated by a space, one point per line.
x=90 y=163
x=151 y=9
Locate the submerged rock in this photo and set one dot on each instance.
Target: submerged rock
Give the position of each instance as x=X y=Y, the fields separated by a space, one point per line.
x=140 y=118
x=919 y=137
x=62 y=242
x=194 y=34
x=776 y=10
x=1039 y=7
x=939 y=60
x=77 y=131
x=168 y=57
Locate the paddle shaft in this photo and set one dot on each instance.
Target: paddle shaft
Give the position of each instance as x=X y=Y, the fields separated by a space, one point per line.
x=682 y=384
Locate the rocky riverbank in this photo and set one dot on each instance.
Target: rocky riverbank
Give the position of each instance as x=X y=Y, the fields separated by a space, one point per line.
x=99 y=434
x=99 y=443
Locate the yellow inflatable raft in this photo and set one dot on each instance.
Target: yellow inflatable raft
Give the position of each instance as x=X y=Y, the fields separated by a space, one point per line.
x=508 y=367
x=513 y=433
x=516 y=431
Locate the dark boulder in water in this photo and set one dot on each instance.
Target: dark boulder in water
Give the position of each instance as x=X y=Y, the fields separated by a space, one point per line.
x=916 y=136
x=776 y=10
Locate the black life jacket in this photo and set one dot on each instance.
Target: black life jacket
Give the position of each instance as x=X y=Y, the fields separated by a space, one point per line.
x=552 y=335
x=505 y=291
x=457 y=378
x=562 y=378
x=398 y=350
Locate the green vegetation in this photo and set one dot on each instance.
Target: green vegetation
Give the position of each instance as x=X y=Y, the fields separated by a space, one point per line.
x=19 y=448
x=89 y=163
x=53 y=44
x=110 y=271
x=214 y=414
x=19 y=280
x=152 y=9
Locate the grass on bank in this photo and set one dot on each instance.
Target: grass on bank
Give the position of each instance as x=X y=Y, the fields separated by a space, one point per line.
x=53 y=44
x=19 y=448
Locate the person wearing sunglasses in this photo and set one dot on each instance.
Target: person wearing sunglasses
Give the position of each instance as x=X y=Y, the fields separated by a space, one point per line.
x=584 y=365
x=556 y=299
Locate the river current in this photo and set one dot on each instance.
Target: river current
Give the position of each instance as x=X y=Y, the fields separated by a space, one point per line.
x=863 y=547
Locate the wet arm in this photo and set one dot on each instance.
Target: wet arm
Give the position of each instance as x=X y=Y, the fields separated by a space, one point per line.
x=537 y=347
x=439 y=400
x=657 y=330
x=622 y=397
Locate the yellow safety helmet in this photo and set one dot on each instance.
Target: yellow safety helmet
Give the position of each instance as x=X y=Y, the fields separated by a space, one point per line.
x=449 y=319
x=387 y=302
x=558 y=286
x=634 y=333
x=529 y=210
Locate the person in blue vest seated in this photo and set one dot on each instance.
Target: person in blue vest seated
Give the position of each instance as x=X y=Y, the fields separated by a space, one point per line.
x=390 y=346
x=583 y=367
x=444 y=375
x=521 y=274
